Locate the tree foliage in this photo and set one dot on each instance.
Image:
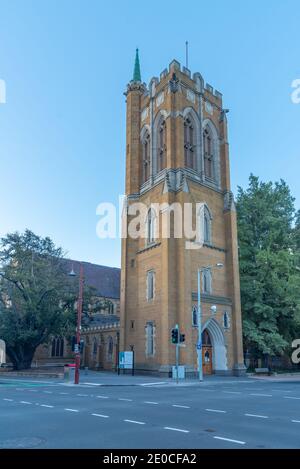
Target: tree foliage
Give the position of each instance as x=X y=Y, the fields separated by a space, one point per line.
x=37 y=296
x=269 y=266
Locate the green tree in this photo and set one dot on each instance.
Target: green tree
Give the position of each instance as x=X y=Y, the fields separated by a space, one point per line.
x=269 y=267
x=37 y=296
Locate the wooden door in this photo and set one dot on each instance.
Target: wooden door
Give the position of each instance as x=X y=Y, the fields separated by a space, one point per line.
x=207 y=359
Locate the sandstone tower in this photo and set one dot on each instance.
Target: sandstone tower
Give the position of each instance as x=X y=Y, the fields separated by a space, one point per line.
x=177 y=152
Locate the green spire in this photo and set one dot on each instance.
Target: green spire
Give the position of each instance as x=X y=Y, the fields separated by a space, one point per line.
x=137 y=70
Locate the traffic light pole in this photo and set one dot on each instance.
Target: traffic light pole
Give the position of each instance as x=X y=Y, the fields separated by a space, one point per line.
x=177 y=354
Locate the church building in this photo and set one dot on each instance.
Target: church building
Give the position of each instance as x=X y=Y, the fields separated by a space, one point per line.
x=177 y=152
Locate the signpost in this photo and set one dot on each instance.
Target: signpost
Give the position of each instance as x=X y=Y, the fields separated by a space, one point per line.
x=126 y=361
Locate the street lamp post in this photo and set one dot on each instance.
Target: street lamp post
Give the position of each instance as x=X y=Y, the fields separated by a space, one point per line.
x=78 y=329
x=199 y=320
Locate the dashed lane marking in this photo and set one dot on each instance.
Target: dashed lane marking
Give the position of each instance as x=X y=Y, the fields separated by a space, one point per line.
x=46 y=405
x=123 y=399
x=82 y=395
x=9 y=400
x=72 y=410
x=261 y=395
x=232 y=392
x=181 y=406
x=102 y=397
x=230 y=440
x=258 y=416
x=290 y=397
x=134 y=421
x=296 y=421
x=101 y=415
x=151 y=402
x=25 y=402
x=216 y=410
x=177 y=429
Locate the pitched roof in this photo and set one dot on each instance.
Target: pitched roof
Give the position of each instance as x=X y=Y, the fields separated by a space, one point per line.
x=106 y=280
x=99 y=320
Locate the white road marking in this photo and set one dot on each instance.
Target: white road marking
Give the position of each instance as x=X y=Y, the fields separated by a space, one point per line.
x=230 y=440
x=134 y=421
x=72 y=410
x=93 y=384
x=102 y=397
x=262 y=395
x=25 y=402
x=153 y=384
x=9 y=400
x=177 y=429
x=181 y=406
x=232 y=392
x=45 y=405
x=150 y=402
x=258 y=416
x=281 y=390
x=101 y=415
x=64 y=393
x=82 y=395
x=296 y=421
x=216 y=410
x=290 y=397
x=123 y=399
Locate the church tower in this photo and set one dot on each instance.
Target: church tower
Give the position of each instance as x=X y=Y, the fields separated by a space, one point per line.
x=177 y=156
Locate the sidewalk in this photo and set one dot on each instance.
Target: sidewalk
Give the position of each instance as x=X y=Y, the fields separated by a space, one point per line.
x=103 y=378
x=282 y=377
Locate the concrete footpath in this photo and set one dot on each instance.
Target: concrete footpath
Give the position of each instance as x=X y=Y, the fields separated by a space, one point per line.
x=104 y=378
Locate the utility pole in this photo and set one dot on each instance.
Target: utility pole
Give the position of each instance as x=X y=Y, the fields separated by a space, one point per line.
x=78 y=332
x=177 y=353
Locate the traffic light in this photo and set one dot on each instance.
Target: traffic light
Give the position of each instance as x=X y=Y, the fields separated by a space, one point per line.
x=73 y=342
x=175 y=334
x=182 y=338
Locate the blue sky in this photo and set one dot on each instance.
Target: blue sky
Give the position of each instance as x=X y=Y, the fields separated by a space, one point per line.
x=66 y=64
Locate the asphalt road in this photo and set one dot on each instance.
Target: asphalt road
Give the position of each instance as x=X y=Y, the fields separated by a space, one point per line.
x=232 y=413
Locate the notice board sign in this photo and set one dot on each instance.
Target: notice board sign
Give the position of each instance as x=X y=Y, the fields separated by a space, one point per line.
x=126 y=360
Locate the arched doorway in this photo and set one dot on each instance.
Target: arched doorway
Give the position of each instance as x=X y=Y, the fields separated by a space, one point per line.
x=207 y=353
x=214 y=353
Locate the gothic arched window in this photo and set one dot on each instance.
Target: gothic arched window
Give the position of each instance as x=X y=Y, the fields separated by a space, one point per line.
x=226 y=322
x=195 y=316
x=208 y=153
x=206 y=226
x=189 y=143
x=95 y=346
x=150 y=226
x=146 y=157
x=110 y=348
x=57 y=349
x=206 y=281
x=161 y=146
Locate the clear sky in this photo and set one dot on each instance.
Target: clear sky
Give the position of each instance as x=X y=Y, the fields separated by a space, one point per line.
x=66 y=64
